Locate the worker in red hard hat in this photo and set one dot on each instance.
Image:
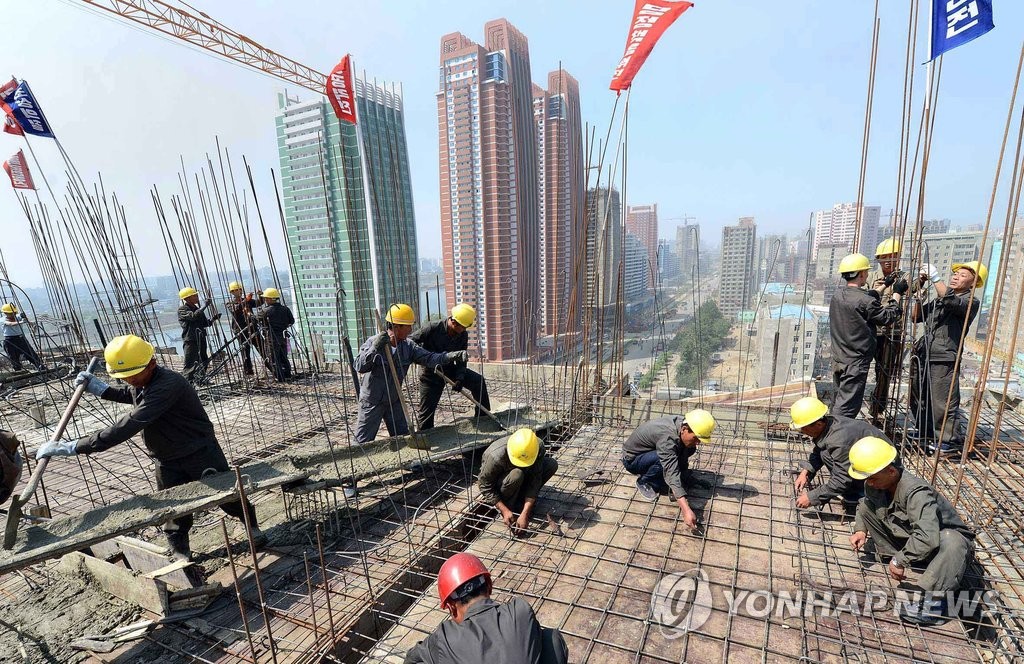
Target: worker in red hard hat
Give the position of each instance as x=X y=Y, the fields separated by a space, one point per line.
x=482 y=630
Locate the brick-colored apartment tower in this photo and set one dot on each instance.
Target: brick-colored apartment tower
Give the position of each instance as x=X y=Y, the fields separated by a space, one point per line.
x=487 y=154
x=556 y=112
x=642 y=221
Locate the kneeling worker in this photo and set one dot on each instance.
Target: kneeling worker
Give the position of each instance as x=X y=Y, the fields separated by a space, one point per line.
x=833 y=436
x=482 y=630
x=659 y=452
x=175 y=428
x=912 y=522
x=446 y=336
x=512 y=472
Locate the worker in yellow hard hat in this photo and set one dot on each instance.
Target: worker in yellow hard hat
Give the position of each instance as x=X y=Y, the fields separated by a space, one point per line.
x=935 y=374
x=887 y=280
x=445 y=336
x=854 y=315
x=194 y=322
x=512 y=471
x=276 y=318
x=240 y=307
x=658 y=452
x=16 y=343
x=908 y=520
x=378 y=394
x=175 y=428
x=832 y=436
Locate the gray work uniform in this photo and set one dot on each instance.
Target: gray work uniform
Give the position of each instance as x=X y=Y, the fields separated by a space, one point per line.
x=378 y=395
x=243 y=327
x=278 y=318
x=16 y=344
x=853 y=317
x=501 y=480
x=177 y=433
x=917 y=526
x=832 y=451
x=435 y=338
x=660 y=436
x=193 y=323
x=492 y=633
x=888 y=344
x=932 y=374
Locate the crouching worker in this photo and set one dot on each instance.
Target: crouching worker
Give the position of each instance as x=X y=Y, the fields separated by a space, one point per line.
x=512 y=472
x=659 y=452
x=175 y=428
x=908 y=519
x=480 y=629
x=10 y=464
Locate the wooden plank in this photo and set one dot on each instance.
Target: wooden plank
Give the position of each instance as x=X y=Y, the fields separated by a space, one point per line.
x=150 y=594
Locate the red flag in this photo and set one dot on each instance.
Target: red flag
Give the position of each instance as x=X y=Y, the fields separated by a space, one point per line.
x=341 y=92
x=11 y=125
x=8 y=88
x=17 y=170
x=650 y=19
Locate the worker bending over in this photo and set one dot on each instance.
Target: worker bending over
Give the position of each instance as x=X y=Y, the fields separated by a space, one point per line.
x=379 y=396
x=241 y=308
x=659 y=452
x=482 y=630
x=193 y=321
x=16 y=343
x=445 y=336
x=833 y=436
x=10 y=464
x=512 y=472
x=175 y=428
x=910 y=521
x=853 y=318
x=277 y=318
x=887 y=281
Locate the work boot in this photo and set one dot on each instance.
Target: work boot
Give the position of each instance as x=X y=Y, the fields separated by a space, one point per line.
x=178 y=543
x=925 y=612
x=646 y=490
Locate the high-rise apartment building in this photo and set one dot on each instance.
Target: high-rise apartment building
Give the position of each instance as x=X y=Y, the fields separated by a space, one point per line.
x=347 y=197
x=642 y=222
x=839 y=225
x=669 y=266
x=556 y=112
x=739 y=250
x=1012 y=255
x=636 y=270
x=489 y=202
x=605 y=238
x=688 y=248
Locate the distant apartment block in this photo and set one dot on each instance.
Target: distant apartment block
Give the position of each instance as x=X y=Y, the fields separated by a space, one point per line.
x=688 y=249
x=839 y=225
x=636 y=274
x=604 y=244
x=642 y=222
x=787 y=339
x=738 y=273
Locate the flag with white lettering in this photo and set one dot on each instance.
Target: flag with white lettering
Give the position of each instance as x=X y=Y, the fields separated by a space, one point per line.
x=11 y=125
x=650 y=20
x=340 y=91
x=26 y=112
x=956 y=22
x=17 y=170
x=8 y=88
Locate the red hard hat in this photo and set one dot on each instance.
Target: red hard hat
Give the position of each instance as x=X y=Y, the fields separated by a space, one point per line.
x=455 y=571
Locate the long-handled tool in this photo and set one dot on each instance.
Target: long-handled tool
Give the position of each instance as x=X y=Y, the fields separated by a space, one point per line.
x=469 y=395
x=14 y=511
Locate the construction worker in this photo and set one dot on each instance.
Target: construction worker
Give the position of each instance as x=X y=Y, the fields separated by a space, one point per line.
x=240 y=308
x=16 y=343
x=512 y=472
x=194 y=322
x=935 y=376
x=853 y=318
x=446 y=336
x=480 y=629
x=659 y=452
x=379 y=396
x=833 y=436
x=887 y=281
x=907 y=519
x=278 y=318
x=10 y=464
x=175 y=428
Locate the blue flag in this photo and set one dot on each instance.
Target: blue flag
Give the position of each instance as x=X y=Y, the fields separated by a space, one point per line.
x=956 y=22
x=27 y=112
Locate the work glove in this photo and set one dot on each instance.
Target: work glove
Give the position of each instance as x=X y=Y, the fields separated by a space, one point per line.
x=382 y=342
x=21 y=316
x=900 y=287
x=216 y=316
x=458 y=357
x=208 y=303
x=52 y=448
x=931 y=272
x=93 y=385
x=457 y=386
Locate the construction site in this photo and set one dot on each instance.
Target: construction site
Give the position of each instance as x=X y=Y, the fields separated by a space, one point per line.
x=357 y=533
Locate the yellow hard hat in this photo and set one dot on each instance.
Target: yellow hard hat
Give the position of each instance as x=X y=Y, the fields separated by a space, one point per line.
x=271 y=294
x=9 y=308
x=464 y=314
x=854 y=263
x=869 y=456
x=806 y=411
x=233 y=286
x=888 y=247
x=187 y=291
x=401 y=314
x=977 y=268
x=523 y=448
x=127 y=355
x=701 y=423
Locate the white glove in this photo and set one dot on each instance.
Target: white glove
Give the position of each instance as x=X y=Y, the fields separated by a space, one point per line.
x=93 y=385
x=53 y=448
x=930 y=271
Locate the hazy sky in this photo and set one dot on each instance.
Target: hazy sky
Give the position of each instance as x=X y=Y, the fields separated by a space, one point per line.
x=745 y=107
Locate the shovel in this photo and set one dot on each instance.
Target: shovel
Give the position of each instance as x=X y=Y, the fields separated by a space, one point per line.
x=14 y=511
x=469 y=395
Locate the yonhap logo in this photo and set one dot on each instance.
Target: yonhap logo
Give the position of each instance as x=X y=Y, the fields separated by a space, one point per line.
x=681 y=602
